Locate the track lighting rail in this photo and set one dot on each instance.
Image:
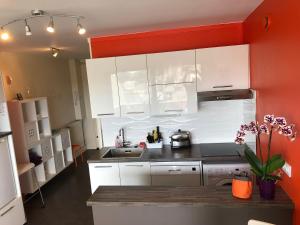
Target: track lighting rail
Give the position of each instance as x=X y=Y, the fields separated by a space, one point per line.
x=5 y=36
x=44 y=15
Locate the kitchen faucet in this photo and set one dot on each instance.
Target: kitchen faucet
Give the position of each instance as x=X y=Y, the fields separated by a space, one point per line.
x=122 y=134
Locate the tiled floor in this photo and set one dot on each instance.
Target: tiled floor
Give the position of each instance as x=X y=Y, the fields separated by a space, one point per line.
x=65 y=198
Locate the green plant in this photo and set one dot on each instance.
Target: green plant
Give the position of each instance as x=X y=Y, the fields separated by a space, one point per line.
x=265 y=169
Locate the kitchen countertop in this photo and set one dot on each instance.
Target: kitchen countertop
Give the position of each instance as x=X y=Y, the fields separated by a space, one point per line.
x=183 y=196
x=192 y=153
x=4 y=134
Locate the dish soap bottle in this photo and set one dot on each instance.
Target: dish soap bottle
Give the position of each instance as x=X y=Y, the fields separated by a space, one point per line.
x=118 y=142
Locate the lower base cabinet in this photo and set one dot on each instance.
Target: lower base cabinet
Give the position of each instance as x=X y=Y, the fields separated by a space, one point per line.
x=135 y=173
x=13 y=213
x=144 y=174
x=104 y=174
x=229 y=214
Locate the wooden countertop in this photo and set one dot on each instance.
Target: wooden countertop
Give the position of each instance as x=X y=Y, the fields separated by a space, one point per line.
x=182 y=196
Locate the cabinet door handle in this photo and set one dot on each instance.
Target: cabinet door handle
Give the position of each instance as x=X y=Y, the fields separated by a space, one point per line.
x=134 y=165
x=224 y=97
x=105 y=114
x=223 y=86
x=174 y=110
x=97 y=167
x=2 y=140
x=135 y=112
x=177 y=170
x=7 y=211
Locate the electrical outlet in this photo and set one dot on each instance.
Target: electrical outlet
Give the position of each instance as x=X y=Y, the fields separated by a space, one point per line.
x=287 y=168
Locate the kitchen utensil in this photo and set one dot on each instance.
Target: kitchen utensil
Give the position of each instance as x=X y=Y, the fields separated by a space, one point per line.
x=180 y=139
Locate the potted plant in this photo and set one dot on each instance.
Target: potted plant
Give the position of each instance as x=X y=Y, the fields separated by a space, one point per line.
x=266 y=170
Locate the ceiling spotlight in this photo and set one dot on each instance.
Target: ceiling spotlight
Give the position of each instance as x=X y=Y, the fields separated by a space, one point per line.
x=4 y=34
x=80 y=28
x=54 y=52
x=38 y=12
x=50 y=27
x=27 y=29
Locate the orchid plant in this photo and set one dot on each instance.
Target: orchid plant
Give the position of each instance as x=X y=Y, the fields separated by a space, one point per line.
x=266 y=169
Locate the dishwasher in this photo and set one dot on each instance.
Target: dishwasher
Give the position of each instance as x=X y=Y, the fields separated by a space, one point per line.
x=176 y=173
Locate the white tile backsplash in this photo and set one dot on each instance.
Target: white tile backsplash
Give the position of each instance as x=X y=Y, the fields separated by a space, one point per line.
x=215 y=122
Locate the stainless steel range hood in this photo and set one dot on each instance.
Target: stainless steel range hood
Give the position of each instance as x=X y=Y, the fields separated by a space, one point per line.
x=224 y=95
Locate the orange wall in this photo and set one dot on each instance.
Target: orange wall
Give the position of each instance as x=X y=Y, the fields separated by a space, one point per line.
x=275 y=74
x=167 y=40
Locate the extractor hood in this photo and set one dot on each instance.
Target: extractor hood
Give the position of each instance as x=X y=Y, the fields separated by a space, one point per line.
x=224 y=95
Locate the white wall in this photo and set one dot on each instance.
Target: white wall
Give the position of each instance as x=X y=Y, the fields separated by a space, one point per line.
x=216 y=122
x=36 y=76
x=74 y=73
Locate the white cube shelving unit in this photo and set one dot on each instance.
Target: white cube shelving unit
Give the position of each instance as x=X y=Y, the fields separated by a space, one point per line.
x=67 y=146
x=63 y=148
x=32 y=133
x=59 y=161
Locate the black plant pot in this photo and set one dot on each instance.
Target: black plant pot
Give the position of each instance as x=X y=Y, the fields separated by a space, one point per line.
x=267 y=189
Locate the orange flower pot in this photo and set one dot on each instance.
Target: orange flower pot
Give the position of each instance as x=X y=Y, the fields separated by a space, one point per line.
x=242 y=187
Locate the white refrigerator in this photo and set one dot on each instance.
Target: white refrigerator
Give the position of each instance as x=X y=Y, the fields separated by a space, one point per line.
x=8 y=191
x=11 y=204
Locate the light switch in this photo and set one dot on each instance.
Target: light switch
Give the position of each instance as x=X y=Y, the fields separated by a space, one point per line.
x=287 y=168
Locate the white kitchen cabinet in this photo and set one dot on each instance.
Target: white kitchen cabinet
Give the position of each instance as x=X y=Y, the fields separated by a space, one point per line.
x=104 y=174
x=103 y=87
x=222 y=68
x=173 y=99
x=133 y=85
x=135 y=173
x=13 y=213
x=171 y=67
x=8 y=188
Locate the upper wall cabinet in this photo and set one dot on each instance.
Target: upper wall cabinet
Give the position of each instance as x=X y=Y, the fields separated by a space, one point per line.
x=169 y=99
x=222 y=68
x=171 y=67
x=133 y=85
x=103 y=87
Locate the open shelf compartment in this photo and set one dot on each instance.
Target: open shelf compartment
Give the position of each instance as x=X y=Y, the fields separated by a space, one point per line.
x=68 y=156
x=50 y=169
x=44 y=128
x=31 y=133
x=35 y=151
x=41 y=108
x=57 y=143
x=47 y=150
x=29 y=112
x=59 y=161
x=40 y=173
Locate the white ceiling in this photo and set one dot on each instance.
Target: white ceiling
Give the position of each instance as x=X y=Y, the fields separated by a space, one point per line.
x=107 y=17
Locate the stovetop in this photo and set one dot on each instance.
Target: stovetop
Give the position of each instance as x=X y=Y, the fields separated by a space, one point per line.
x=221 y=150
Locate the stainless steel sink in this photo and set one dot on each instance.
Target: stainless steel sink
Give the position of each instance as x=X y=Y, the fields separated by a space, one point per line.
x=123 y=153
